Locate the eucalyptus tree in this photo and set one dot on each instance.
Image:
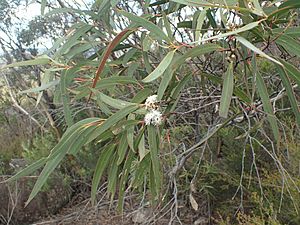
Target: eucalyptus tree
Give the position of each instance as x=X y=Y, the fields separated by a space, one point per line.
x=147 y=68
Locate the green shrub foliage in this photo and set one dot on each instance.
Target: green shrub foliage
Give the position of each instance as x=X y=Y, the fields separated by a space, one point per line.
x=202 y=92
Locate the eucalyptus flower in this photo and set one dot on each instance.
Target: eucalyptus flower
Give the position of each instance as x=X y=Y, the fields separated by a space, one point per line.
x=153 y=117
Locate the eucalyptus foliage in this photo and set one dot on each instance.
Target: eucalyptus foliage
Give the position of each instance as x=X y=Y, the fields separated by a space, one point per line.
x=118 y=53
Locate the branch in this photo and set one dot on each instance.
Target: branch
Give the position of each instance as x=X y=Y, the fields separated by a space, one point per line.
x=20 y=108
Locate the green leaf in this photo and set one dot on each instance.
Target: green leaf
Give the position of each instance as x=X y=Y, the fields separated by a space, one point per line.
x=142 y=149
x=146 y=42
x=141 y=172
x=161 y=68
x=102 y=163
x=124 y=177
x=41 y=60
x=70 y=135
x=290 y=4
x=262 y=90
x=227 y=91
x=76 y=142
x=122 y=148
x=147 y=64
x=112 y=120
x=65 y=96
x=47 y=170
x=115 y=103
x=28 y=170
x=71 y=142
x=107 y=82
x=72 y=39
x=141 y=95
x=178 y=61
x=194 y=52
x=247 y=27
x=43 y=6
x=112 y=177
x=152 y=184
x=255 y=49
x=70 y=10
x=210 y=3
x=168 y=26
x=132 y=68
x=200 y=21
x=130 y=133
x=290 y=93
x=82 y=137
x=146 y=24
x=176 y=92
x=291 y=32
x=257 y=9
x=237 y=91
x=153 y=146
x=292 y=71
x=185 y=24
x=128 y=55
x=290 y=44
x=42 y=87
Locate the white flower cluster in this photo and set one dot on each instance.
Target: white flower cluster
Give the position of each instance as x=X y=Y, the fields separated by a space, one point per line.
x=151 y=102
x=154 y=116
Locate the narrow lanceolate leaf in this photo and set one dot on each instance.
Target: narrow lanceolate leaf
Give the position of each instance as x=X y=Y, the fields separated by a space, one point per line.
x=28 y=170
x=113 y=172
x=194 y=52
x=42 y=60
x=161 y=68
x=263 y=93
x=234 y=32
x=71 y=134
x=257 y=9
x=289 y=4
x=200 y=21
x=290 y=44
x=147 y=25
x=112 y=120
x=290 y=93
x=65 y=97
x=176 y=92
x=48 y=169
x=75 y=143
x=199 y=3
x=130 y=132
x=117 y=103
x=124 y=178
x=227 y=91
x=256 y=50
x=122 y=148
x=177 y=62
x=291 y=32
x=109 y=49
x=100 y=167
x=142 y=148
x=292 y=71
x=42 y=87
x=153 y=145
x=43 y=6
x=168 y=26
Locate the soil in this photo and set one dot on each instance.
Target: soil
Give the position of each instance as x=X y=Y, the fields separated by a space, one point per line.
x=80 y=212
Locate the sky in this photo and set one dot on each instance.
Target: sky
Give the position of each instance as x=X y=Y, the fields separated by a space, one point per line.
x=27 y=12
